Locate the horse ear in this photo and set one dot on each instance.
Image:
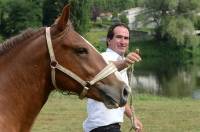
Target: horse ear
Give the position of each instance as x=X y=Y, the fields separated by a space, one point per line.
x=61 y=24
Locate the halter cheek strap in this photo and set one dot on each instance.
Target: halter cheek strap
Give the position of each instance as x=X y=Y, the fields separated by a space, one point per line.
x=106 y=71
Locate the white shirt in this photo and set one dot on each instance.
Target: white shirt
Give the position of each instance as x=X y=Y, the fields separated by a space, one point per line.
x=98 y=114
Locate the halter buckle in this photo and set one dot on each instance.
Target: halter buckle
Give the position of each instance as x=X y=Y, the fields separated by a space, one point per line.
x=53 y=64
x=85 y=90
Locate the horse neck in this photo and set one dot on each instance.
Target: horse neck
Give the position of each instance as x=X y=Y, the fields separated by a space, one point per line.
x=25 y=82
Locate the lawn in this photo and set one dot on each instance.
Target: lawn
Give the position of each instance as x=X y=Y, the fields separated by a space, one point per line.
x=158 y=114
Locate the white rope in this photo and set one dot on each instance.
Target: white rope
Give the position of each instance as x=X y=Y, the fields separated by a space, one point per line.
x=133 y=115
x=131 y=100
x=71 y=74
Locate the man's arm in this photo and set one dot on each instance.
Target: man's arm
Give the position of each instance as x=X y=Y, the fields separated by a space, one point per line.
x=130 y=59
x=129 y=112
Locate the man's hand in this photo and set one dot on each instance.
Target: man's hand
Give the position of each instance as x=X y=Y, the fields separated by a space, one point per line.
x=138 y=125
x=132 y=57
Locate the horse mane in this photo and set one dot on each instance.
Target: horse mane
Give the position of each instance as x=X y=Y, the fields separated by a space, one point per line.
x=26 y=34
x=13 y=41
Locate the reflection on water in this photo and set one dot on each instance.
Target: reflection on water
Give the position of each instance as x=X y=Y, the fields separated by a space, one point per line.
x=196 y=94
x=171 y=82
x=145 y=83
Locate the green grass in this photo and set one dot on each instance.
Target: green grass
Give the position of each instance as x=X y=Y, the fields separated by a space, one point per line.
x=158 y=114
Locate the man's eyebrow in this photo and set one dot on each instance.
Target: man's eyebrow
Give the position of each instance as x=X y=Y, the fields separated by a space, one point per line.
x=121 y=36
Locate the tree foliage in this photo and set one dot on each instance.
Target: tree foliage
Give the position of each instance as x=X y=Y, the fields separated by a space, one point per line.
x=113 y=5
x=51 y=10
x=80 y=15
x=180 y=30
x=174 y=20
x=18 y=15
x=123 y=19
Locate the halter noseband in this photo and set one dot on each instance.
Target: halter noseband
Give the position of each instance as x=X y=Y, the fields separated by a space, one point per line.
x=106 y=71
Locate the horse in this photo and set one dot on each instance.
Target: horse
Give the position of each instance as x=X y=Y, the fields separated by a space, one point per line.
x=36 y=62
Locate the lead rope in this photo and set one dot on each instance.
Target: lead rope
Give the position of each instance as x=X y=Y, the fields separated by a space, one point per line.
x=131 y=100
x=133 y=127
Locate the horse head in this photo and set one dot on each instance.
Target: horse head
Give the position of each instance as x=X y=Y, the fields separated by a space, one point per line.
x=78 y=67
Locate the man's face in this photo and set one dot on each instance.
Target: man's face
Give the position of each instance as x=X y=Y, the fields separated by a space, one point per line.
x=120 y=41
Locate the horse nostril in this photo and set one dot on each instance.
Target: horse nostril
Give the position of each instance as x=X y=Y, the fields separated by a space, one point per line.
x=124 y=96
x=125 y=92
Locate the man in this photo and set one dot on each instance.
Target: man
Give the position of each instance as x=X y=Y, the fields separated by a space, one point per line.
x=100 y=118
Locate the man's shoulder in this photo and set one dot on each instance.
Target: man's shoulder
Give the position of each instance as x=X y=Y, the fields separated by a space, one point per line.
x=105 y=54
x=109 y=55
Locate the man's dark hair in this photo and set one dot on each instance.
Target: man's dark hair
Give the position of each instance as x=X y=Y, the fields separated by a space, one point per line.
x=110 y=33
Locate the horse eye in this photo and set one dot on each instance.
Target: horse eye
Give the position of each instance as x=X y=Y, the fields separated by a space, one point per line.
x=81 y=51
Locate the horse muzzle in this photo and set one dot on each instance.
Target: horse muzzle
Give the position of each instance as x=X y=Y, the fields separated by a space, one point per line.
x=112 y=99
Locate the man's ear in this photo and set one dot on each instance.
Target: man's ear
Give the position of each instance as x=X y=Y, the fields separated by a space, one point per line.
x=108 y=42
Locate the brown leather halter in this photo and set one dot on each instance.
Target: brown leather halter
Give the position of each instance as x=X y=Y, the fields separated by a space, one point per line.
x=106 y=71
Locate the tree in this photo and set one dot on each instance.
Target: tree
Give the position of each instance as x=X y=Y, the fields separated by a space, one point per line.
x=123 y=19
x=174 y=20
x=180 y=31
x=51 y=10
x=18 y=15
x=80 y=15
x=113 y=5
x=197 y=23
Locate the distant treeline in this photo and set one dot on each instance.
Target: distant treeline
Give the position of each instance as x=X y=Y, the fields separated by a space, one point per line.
x=174 y=22
x=17 y=15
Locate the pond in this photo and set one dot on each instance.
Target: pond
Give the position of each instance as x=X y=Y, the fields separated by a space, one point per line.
x=166 y=78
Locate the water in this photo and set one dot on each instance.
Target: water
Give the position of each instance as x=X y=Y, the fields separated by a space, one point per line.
x=167 y=78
